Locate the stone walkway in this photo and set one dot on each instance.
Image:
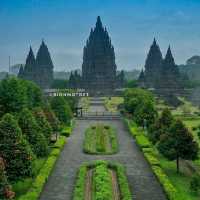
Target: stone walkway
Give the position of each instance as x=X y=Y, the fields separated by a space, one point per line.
x=143 y=183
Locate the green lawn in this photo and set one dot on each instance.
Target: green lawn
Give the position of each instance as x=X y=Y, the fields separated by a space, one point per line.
x=181 y=181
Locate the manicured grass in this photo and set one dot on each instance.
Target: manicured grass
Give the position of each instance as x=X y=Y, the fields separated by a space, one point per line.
x=38 y=183
x=101 y=181
x=100 y=139
x=112 y=103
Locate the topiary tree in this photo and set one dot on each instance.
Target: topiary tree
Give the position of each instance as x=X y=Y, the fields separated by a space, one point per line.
x=5 y=189
x=32 y=133
x=178 y=143
x=61 y=109
x=14 y=149
x=161 y=125
x=43 y=124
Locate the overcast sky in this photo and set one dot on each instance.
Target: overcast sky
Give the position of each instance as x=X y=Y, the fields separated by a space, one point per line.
x=65 y=26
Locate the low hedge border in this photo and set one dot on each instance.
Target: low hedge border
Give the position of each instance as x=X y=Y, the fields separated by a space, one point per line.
x=149 y=154
x=42 y=177
x=79 y=191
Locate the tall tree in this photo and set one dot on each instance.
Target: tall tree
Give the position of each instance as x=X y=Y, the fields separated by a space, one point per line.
x=161 y=125
x=62 y=109
x=44 y=126
x=32 y=133
x=14 y=149
x=12 y=96
x=178 y=143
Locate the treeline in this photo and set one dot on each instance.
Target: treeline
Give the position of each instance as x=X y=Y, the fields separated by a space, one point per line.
x=28 y=122
x=169 y=135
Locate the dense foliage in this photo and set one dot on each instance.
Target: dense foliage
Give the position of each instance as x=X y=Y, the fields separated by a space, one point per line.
x=14 y=149
x=140 y=103
x=62 y=109
x=32 y=133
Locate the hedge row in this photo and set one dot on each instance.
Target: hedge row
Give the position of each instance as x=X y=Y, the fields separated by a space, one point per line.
x=149 y=153
x=38 y=184
x=79 y=191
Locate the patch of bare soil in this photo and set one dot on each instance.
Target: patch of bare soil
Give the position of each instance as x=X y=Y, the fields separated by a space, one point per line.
x=88 y=187
x=115 y=186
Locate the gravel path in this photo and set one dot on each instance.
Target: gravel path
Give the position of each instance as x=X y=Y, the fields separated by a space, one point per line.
x=143 y=183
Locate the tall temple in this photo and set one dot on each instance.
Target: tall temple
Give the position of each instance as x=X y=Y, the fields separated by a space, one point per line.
x=160 y=73
x=39 y=69
x=99 y=71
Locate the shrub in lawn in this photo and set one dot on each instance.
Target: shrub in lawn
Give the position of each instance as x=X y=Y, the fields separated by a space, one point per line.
x=14 y=149
x=32 y=133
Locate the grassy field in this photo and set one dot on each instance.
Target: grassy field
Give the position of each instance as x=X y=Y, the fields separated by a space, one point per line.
x=100 y=139
x=112 y=103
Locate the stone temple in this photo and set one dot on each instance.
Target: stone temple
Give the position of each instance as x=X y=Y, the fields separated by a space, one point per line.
x=99 y=70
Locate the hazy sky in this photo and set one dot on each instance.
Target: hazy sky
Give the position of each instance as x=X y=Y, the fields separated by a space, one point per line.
x=65 y=26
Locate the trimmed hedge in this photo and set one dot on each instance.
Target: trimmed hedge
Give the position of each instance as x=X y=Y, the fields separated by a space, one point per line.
x=169 y=189
x=143 y=141
x=151 y=159
x=38 y=184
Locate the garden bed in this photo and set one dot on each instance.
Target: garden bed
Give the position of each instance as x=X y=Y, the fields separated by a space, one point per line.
x=101 y=180
x=100 y=139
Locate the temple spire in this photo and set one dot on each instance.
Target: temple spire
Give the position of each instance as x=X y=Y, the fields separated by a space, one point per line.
x=169 y=59
x=99 y=23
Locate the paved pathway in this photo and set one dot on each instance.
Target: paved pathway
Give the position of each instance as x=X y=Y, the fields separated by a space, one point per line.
x=143 y=184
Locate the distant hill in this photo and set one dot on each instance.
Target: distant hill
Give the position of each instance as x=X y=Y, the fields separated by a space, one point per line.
x=192 y=68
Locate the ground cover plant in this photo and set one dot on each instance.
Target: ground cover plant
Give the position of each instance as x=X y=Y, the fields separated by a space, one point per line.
x=100 y=139
x=101 y=180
